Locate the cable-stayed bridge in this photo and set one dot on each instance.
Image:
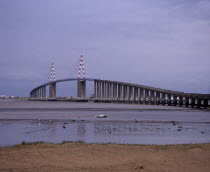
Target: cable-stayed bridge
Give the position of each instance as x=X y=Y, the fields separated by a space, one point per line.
x=120 y=92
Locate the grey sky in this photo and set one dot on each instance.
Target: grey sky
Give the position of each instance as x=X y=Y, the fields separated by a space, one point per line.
x=160 y=43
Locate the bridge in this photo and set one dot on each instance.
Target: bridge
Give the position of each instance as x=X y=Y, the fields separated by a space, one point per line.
x=121 y=92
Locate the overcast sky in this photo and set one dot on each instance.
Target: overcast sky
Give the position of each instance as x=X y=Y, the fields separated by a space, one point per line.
x=160 y=43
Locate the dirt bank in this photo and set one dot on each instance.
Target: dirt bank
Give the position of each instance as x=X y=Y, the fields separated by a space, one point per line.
x=105 y=157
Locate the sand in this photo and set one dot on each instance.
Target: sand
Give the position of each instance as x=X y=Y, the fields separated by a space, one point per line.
x=75 y=157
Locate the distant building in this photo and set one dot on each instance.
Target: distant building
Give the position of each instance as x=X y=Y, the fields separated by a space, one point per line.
x=3 y=96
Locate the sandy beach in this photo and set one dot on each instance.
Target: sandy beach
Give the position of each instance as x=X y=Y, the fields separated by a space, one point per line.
x=105 y=157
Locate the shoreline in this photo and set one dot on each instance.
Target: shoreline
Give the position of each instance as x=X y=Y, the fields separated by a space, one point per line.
x=54 y=120
x=183 y=145
x=96 y=109
x=78 y=156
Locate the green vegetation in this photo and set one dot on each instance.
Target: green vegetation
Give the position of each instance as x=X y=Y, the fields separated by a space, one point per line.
x=178 y=147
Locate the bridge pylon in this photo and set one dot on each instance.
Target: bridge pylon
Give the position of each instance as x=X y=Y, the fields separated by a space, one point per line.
x=81 y=82
x=52 y=85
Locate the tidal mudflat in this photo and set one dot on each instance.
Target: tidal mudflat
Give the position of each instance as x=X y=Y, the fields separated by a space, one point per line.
x=56 y=122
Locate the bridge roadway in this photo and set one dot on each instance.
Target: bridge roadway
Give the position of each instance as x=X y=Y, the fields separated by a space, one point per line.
x=122 y=92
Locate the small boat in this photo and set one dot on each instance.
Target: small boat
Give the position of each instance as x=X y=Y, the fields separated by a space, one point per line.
x=101 y=116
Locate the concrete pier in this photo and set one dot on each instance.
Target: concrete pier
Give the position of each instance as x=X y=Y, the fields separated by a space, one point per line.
x=174 y=100
x=163 y=99
x=131 y=93
x=180 y=101
x=169 y=99
x=52 y=90
x=44 y=92
x=157 y=98
x=124 y=92
x=135 y=94
x=81 y=88
x=192 y=102
x=205 y=103
x=186 y=101
x=141 y=95
x=151 y=97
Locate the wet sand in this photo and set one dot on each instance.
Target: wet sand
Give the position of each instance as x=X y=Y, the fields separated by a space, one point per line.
x=76 y=157
x=46 y=105
x=54 y=122
x=22 y=109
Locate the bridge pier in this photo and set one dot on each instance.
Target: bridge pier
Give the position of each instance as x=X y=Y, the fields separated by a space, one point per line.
x=205 y=103
x=43 y=92
x=180 y=101
x=146 y=96
x=38 y=92
x=104 y=90
x=186 y=101
x=118 y=92
x=169 y=99
x=130 y=93
x=192 y=103
x=115 y=91
x=111 y=91
x=125 y=92
x=163 y=99
x=174 y=100
x=95 y=85
x=81 y=88
x=107 y=90
x=52 y=90
x=198 y=104
x=96 y=93
x=151 y=97
x=157 y=98
x=141 y=96
x=135 y=94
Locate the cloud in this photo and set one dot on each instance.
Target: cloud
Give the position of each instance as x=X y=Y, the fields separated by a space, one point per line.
x=133 y=41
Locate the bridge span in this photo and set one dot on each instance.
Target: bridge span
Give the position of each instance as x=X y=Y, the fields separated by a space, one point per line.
x=122 y=92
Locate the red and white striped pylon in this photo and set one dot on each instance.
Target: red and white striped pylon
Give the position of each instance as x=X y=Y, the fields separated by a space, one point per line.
x=52 y=73
x=81 y=67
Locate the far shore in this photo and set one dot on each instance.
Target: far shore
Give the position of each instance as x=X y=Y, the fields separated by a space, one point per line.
x=75 y=157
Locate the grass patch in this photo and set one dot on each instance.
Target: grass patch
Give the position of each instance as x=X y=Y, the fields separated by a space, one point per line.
x=30 y=143
x=23 y=143
x=79 y=141
x=180 y=147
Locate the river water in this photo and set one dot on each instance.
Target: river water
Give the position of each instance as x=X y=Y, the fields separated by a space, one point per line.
x=56 y=122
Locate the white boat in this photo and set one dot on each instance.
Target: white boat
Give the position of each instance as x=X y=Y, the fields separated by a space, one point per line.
x=101 y=116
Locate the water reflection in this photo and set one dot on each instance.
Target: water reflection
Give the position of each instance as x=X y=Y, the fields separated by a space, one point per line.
x=132 y=132
x=81 y=131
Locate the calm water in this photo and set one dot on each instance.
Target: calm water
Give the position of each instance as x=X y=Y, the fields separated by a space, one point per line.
x=126 y=124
